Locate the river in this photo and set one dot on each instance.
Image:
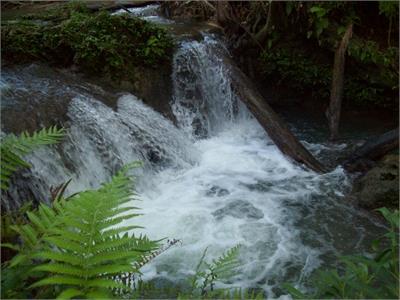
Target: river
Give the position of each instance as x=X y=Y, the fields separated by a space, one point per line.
x=211 y=179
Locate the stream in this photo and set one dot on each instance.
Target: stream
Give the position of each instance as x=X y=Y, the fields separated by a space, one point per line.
x=212 y=178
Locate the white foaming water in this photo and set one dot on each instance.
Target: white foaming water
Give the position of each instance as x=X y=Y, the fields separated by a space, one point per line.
x=215 y=181
x=203 y=100
x=242 y=190
x=149 y=13
x=235 y=194
x=100 y=141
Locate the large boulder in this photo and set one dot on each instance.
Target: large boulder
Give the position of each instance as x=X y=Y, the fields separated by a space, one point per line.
x=379 y=186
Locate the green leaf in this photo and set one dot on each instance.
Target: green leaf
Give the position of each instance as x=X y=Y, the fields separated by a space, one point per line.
x=295 y=293
x=10 y=246
x=58 y=280
x=12 y=148
x=70 y=293
x=57 y=268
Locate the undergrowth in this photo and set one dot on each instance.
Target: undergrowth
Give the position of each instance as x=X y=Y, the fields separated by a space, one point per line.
x=315 y=28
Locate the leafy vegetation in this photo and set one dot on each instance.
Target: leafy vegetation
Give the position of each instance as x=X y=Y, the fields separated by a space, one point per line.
x=96 y=42
x=77 y=244
x=298 y=70
x=12 y=148
x=371 y=75
x=362 y=277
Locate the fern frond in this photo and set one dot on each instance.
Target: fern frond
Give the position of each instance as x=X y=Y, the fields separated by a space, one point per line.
x=65 y=269
x=12 y=148
x=226 y=264
x=86 y=251
x=219 y=269
x=118 y=230
x=198 y=273
x=58 y=280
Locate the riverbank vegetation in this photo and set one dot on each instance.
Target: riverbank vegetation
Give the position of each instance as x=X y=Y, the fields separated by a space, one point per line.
x=371 y=71
x=96 y=42
x=292 y=44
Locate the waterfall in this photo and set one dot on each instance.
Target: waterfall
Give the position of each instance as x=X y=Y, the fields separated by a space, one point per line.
x=99 y=142
x=215 y=180
x=203 y=101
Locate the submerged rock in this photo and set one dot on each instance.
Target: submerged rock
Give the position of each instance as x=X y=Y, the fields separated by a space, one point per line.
x=216 y=191
x=380 y=186
x=239 y=209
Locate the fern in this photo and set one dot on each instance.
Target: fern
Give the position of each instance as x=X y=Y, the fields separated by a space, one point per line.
x=224 y=266
x=219 y=269
x=13 y=148
x=79 y=245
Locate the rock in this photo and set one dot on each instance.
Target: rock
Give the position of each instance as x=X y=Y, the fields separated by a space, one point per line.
x=373 y=149
x=188 y=10
x=238 y=209
x=216 y=191
x=380 y=186
x=153 y=86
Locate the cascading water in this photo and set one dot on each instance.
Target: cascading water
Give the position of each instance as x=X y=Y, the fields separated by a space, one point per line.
x=203 y=101
x=242 y=189
x=215 y=181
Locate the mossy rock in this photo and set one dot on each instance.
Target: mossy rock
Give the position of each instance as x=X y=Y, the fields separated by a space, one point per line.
x=380 y=186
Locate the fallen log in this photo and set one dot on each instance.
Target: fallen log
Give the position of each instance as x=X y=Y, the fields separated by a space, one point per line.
x=275 y=127
x=373 y=149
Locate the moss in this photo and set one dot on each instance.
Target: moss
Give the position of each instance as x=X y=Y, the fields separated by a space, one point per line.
x=96 y=42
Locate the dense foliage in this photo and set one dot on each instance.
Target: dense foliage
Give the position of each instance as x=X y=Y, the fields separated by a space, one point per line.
x=96 y=42
x=362 y=277
x=291 y=44
x=371 y=73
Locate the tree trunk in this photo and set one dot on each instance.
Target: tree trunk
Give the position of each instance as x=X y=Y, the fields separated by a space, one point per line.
x=263 y=33
x=276 y=128
x=223 y=12
x=334 y=109
x=373 y=149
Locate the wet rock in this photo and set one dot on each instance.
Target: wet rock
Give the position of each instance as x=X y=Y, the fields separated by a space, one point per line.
x=35 y=95
x=261 y=186
x=238 y=209
x=380 y=186
x=187 y=11
x=216 y=191
x=153 y=86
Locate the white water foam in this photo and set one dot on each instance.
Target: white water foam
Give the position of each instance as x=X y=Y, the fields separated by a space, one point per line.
x=236 y=194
